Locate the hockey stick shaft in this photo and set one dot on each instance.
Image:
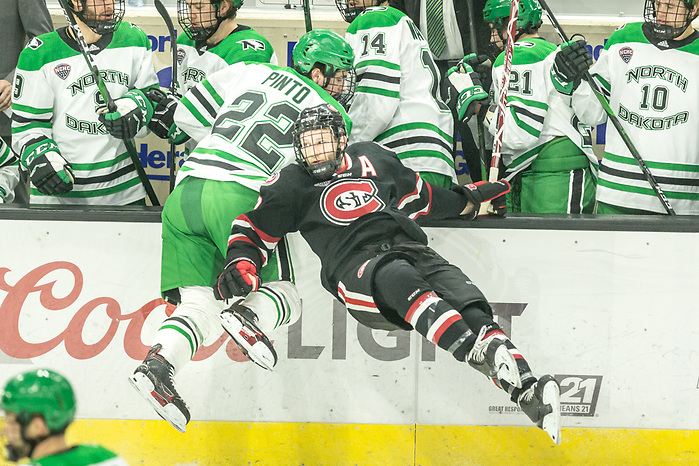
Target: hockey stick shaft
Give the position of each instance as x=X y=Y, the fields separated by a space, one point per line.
x=494 y=172
x=173 y=87
x=307 y=14
x=474 y=49
x=130 y=147
x=615 y=121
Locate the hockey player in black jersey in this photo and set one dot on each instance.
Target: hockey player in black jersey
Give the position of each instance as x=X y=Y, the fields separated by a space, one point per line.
x=356 y=207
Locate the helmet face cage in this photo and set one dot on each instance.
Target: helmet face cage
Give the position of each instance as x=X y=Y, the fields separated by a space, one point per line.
x=208 y=18
x=676 y=16
x=341 y=85
x=529 y=14
x=329 y=49
x=101 y=16
x=348 y=12
x=40 y=392
x=314 y=145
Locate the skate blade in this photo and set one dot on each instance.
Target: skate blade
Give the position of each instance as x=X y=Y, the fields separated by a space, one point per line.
x=169 y=412
x=506 y=367
x=258 y=353
x=551 y=424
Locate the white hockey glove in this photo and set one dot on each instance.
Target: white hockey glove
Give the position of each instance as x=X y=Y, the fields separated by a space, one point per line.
x=50 y=173
x=239 y=278
x=465 y=90
x=484 y=191
x=133 y=111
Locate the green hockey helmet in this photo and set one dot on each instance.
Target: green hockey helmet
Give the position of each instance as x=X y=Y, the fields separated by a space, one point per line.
x=325 y=47
x=43 y=392
x=329 y=49
x=529 y=13
x=675 y=17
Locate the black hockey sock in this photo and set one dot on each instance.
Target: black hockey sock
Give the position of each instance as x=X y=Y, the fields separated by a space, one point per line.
x=437 y=321
x=475 y=317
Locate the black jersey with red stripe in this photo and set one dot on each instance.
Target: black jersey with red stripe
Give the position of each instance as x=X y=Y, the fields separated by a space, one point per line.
x=374 y=197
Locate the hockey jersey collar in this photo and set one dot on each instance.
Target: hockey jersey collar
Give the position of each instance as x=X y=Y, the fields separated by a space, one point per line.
x=668 y=44
x=94 y=48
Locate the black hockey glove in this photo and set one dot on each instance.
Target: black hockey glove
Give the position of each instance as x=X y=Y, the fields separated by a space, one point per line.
x=163 y=113
x=484 y=191
x=239 y=278
x=569 y=66
x=50 y=173
x=482 y=65
x=133 y=111
x=465 y=90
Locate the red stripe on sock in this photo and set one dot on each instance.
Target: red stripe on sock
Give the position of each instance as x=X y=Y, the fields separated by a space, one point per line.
x=443 y=328
x=416 y=305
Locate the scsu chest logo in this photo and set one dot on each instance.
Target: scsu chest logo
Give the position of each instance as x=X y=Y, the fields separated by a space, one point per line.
x=345 y=201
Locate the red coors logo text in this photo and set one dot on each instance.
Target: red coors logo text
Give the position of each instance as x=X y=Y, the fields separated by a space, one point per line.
x=13 y=345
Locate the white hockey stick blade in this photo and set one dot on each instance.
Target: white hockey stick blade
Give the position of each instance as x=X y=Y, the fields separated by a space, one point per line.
x=551 y=395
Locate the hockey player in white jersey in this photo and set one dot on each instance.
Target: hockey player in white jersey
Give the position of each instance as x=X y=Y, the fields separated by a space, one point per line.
x=212 y=40
x=398 y=100
x=242 y=117
x=69 y=151
x=9 y=173
x=647 y=72
x=546 y=150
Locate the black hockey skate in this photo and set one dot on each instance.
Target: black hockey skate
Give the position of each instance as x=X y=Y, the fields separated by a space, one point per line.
x=542 y=403
x=153 y=380
x=491 y=356
x=239 y=322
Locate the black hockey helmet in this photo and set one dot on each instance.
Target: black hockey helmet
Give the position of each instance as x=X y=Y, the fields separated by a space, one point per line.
x=350 y=9
x=104 y=19
x=317 y=146
x=207 y=23
x=675 y=17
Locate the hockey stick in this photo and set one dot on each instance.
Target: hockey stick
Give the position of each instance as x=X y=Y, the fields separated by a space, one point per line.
x=494 y=172
x=307 y=14
x=479 y=121
x=173 y=88
x=615 y=121
x=130 y=147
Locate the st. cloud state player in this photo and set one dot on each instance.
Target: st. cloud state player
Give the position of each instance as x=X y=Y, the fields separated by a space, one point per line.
x=647 y=72
x=242 y=117
x=212 y=41
x=356 y=209
x=62 y=142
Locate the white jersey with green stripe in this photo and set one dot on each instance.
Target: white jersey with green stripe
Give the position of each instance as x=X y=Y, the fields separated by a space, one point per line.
x=55 y=97
x=197 y=61
x=397 y=102
x=649 y=87
x=81 y=455
x=9 y=172
x=536 y=113
x=242 y=117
